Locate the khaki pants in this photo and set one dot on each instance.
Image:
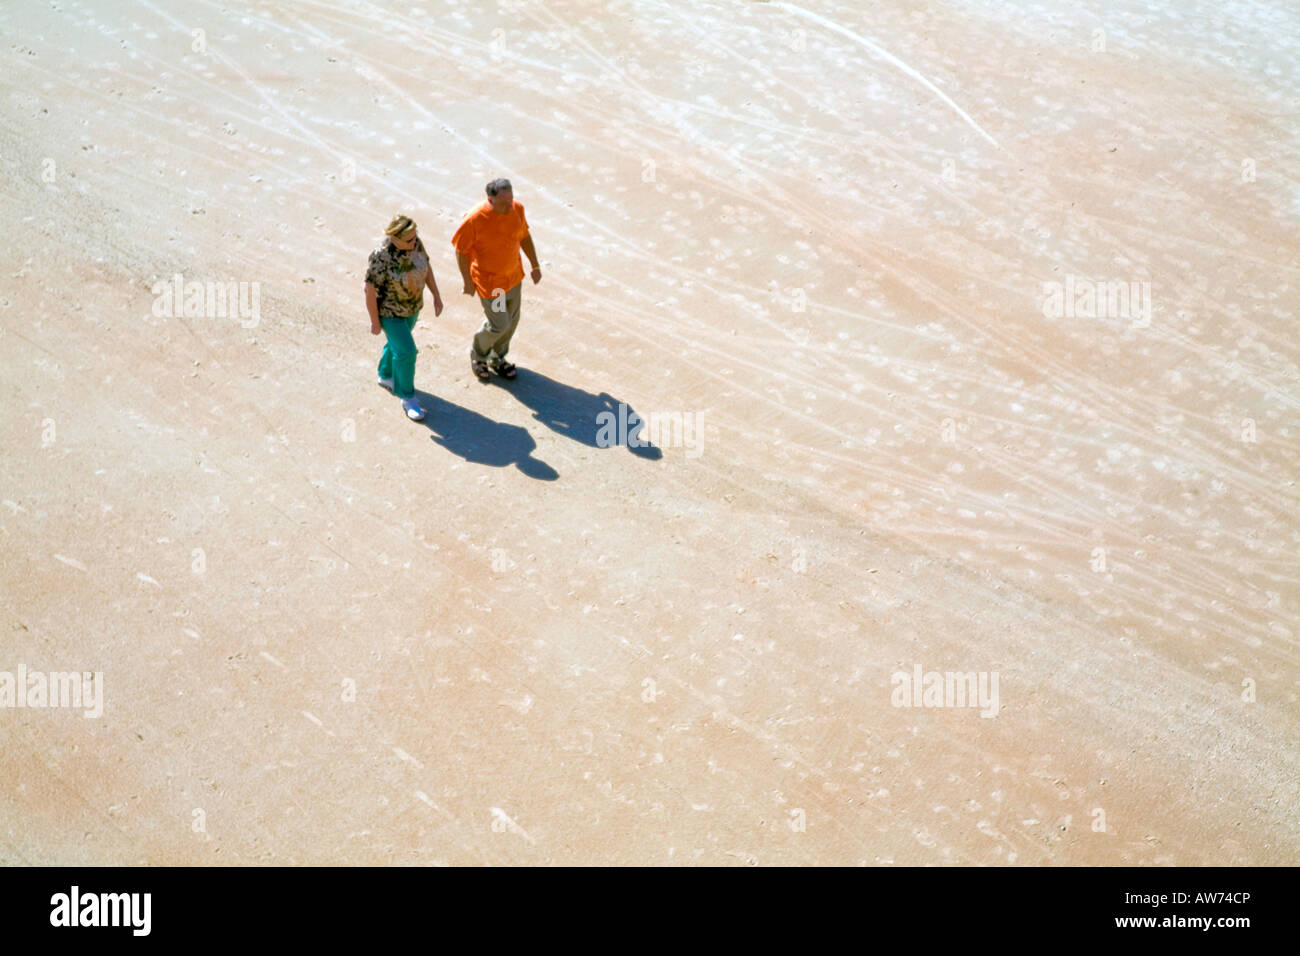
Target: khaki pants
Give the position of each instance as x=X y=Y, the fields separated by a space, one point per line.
x=502 y=315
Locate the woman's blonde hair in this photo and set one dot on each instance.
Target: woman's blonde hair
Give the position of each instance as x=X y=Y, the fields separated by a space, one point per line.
x=400 y=227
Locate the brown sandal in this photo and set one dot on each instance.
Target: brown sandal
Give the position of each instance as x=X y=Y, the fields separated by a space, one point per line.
x=480 y=369
x=505 y=369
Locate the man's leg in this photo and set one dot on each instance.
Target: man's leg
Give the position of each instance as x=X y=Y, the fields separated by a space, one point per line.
x=401 y=347
x=514 y=299
x=496 y=324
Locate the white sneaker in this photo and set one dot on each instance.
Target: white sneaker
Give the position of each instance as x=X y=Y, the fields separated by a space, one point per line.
x=387 y=383
x=413 y=410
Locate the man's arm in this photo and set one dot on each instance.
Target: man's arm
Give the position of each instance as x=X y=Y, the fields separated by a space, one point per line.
x=462 y=260
x=526 y=244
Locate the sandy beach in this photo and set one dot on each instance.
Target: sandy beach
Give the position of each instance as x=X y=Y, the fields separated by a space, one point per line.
x=967 y=335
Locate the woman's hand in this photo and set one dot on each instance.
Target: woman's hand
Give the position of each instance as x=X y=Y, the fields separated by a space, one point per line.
x=372 y=306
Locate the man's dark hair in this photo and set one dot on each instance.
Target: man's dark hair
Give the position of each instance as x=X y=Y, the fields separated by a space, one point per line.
x=497 y=185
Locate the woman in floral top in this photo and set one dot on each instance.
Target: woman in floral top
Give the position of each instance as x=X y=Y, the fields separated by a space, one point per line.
x=395 y=280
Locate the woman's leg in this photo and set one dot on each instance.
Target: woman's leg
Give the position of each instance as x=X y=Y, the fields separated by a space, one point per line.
x=401 y=351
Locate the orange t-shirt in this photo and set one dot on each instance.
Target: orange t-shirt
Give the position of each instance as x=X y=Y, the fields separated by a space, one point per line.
x=491 y=241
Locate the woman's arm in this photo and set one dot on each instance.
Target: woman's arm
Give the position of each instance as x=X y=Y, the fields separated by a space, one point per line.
x=432 y=283
x=372 y=306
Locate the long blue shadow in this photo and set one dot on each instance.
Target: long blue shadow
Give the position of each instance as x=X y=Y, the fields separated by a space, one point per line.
x=575 y=413
x=480 y=440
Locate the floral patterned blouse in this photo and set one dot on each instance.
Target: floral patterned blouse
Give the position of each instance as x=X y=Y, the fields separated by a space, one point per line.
x=398 y=276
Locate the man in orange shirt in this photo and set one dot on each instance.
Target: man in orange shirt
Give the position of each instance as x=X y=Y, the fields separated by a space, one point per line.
x=487 y=251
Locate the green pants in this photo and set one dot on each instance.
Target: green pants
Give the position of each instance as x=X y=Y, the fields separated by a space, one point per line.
x=501 y=320
x=398 y=360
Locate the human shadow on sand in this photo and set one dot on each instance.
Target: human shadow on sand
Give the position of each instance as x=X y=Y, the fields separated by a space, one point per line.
x=480 y=440
x=574 y=413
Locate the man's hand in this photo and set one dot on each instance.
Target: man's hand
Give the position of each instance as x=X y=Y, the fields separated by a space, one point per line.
x=437 y=306
x=466 y=272
x=529 y=250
